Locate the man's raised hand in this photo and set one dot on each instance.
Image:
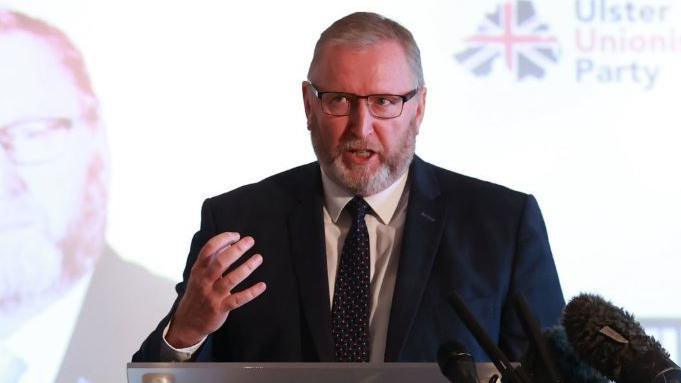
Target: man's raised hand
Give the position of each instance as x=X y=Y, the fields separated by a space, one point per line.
x=208 y=298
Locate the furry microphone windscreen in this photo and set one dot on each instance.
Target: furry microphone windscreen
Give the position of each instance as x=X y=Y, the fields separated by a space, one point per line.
x=612 y=341
x=570 y=368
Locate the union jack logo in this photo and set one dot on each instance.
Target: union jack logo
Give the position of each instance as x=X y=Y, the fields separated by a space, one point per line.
x=514 y=32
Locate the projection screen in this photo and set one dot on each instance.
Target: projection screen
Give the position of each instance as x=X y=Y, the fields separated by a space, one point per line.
x=575 y=102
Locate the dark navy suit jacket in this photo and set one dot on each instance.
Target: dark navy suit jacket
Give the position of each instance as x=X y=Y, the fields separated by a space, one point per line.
x=483 y=240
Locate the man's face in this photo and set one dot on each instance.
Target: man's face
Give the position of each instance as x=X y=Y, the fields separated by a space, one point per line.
x=51 y=192
x=363 y=153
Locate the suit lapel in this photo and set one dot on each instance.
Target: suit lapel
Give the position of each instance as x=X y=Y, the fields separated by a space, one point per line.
x=306 y=229
x=422 y=232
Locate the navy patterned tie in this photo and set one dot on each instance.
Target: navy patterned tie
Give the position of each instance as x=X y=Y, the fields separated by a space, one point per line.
x=351 y=304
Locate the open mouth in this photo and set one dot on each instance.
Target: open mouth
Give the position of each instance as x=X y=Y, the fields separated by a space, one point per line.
x=363 y=153
x=358 y=156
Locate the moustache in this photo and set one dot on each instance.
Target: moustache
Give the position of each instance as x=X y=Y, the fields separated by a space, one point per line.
x=360 y=145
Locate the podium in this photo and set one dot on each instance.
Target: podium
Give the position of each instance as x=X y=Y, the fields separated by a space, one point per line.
x=293 y=372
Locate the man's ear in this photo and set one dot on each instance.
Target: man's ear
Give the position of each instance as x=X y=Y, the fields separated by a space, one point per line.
x=307 y=102
x=420 y=107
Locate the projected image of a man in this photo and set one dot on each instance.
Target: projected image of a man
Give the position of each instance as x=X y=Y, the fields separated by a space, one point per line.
x=53 y=168
x=60 y=283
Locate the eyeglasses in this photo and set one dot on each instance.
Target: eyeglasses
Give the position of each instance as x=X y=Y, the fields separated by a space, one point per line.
x=380 y=105
x=35 y=141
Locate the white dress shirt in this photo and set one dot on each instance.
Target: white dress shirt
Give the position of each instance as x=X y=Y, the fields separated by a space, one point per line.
x=42 y=340
x=385 y=224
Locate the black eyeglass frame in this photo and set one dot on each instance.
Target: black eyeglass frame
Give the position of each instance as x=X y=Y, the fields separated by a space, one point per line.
x=405 y=97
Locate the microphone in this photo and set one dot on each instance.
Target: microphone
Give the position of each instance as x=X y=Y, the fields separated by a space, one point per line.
x=500 y=360
x=613 y=342
x=568 y=366
x=533 y=330
x=550 y=358
x=456 y=363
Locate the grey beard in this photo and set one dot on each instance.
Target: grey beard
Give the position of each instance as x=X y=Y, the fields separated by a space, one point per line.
x=365 y=183
x=30 y=269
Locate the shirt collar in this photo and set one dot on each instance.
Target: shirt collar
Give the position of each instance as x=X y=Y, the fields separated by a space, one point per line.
x=383 y=203
x=64 y=312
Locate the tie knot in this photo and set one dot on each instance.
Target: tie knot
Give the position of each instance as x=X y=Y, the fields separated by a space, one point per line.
x=357 y=207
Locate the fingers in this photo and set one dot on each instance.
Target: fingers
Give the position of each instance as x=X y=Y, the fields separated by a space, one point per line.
x=224 y=258
x=236 y=300
x=236 y=276
x=216 y=244
x=208 y=299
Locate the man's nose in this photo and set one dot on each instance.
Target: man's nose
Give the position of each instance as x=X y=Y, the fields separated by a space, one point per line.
x=11 y=184
x=361 y=121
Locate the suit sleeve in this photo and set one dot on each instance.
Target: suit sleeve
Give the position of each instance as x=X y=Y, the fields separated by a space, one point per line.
x=150 y=351
x=534 y=276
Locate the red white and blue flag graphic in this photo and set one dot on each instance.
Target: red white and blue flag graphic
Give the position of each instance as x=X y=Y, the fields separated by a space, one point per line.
x=514 y=33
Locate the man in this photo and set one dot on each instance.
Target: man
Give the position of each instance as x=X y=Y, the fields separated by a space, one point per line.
x=59 y=284
x=351 y=258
